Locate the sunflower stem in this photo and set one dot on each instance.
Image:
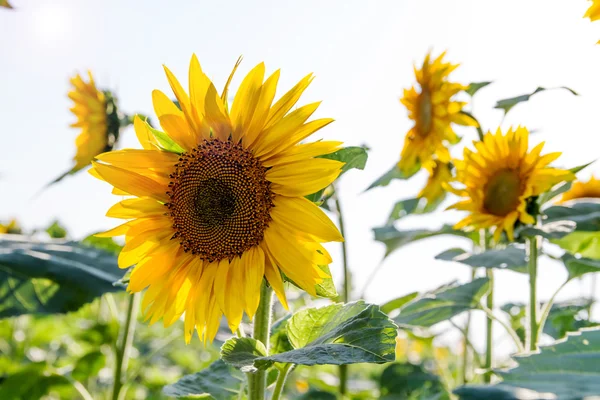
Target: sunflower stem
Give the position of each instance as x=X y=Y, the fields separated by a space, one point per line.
x=489 y=323
x=465 y=360
x=257 y=381
x=283 y=373
x=124 y=347
x=346 y=288
x=532 y=246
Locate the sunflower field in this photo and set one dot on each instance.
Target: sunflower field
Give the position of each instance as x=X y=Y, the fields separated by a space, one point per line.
x=377 y=200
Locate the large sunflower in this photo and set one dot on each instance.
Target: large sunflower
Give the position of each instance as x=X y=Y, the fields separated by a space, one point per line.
x=499 y=178
x=218 y=200
x=90 y=111
x=582 y=190
x=431 y=106
x=593 y=13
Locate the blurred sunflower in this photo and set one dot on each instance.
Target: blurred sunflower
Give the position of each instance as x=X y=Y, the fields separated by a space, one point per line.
x=499 y=178
x=581 y=190
x=431 y=106
x=219 y=200
x=593 y=13
x=440 y=174
x=90 y=111
x=11 y=227
x=5 y=4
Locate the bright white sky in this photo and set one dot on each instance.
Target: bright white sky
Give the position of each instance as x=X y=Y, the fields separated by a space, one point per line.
x=362 y=54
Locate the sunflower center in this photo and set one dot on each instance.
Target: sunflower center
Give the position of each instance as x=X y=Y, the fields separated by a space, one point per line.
x=502 y=192
x=219 y=200
x=425 y=112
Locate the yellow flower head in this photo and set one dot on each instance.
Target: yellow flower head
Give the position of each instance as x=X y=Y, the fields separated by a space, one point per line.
x=431 y=107
x=499 y=177
x=12 y=227
x=218 y=200
x=90 y=111
x=593 y=13
x=440 y=175
x=581 y=190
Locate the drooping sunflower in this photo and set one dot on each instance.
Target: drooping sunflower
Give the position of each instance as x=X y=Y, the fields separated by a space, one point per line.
x=90 y=111
x=432 y=107
x=440 y=174
x=582 y=190
x=499 y=178
x=593 y=13
x=218 y=200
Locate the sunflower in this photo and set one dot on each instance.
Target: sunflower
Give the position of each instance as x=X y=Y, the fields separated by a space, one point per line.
x=499 y=179
x=11 y=227
x=90 y=111
x=593 y=13
x=218 y=200
x=5 y=4
x=582 y=190
x=440 y=174
x=431 y=107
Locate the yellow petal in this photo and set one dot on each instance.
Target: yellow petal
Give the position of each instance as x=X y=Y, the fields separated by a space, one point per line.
x=287 y=101
x=253 y=263
x=305 y=218
x=302 y=178
x=130 y=182
x=246 y=100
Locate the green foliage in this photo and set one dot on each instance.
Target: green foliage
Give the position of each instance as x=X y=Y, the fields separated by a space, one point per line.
x=219 y=381
x=507 y=104
x=577 y=267
x=393 y=173
x=443 y=303
x=241 y=353
x=89 y=365
x=164 y=140
x=408 y=381
x=398 y=302
x=549 y=230
x=395 y=239
x=336 y=334
x=561 y=187
x=103 y=243
x=585 y=215
x=586 y=244
x=56 y=230
x=52 y=277
x=413 y=206
x=567 y=369
x=474 y=87
x=511 y=257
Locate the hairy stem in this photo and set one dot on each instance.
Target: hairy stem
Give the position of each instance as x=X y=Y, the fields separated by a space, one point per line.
x=532 y=246
x=257 y=381
x=124 y=347
x=283 y=373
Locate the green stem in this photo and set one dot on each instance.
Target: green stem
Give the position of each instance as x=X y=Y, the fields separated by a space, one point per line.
x=124 y=347
x=465 y=360
x=547 y=307
x=257 y=381
x=283 y=373
x=508 y=329
x=533 y=306
x=489 y=328
x=346 y=287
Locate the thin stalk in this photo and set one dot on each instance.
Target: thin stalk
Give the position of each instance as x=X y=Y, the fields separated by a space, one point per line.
x=124 y=347
x=257 y=381
x=547 y=307
x=346 y=288
x=532 y=245
x=465 y=331
x=83 y=392
x=283 y=373
x=508 y=329
x=489 y=334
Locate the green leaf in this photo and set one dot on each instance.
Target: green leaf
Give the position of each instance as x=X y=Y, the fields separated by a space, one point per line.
x=164 y=140
x=279 y=341
x=443 y=303
x=398 y=302
x=30 y=382
x=56 y=230
x=393 y=173
x=408 y=381
x=414 y=206
x=585 y=214
x=475 y=87
x=511 y=257
x=336 y=334
x=219 y=381
x=103 y=243
x=395 y=239
x=508 y=104
x=52 y=277
x=550 y=230
x=241 y=353
x=561 y=187
x=577 y=267
x=568 y=316
x=586 y=244
x=317 y=395
x=89 y=365
x=567 y=369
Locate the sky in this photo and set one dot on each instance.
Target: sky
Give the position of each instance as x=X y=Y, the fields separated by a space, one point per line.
x=362 y=53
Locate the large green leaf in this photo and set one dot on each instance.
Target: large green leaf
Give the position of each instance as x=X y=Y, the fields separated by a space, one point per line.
x=219 y=381
x=412 y=206
x=568 y=316
x=336 y=334
x=241 y=353
x=443 y=303
x=395 y=239
x=508 y=104
x=549 y=230
x=585 y=214
x=566 y=370
x=408 y=381
x=31 y=382
x=586 y=244
x=511 y=257
x=393 y=173
x=52 y=277
x=577 y=267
